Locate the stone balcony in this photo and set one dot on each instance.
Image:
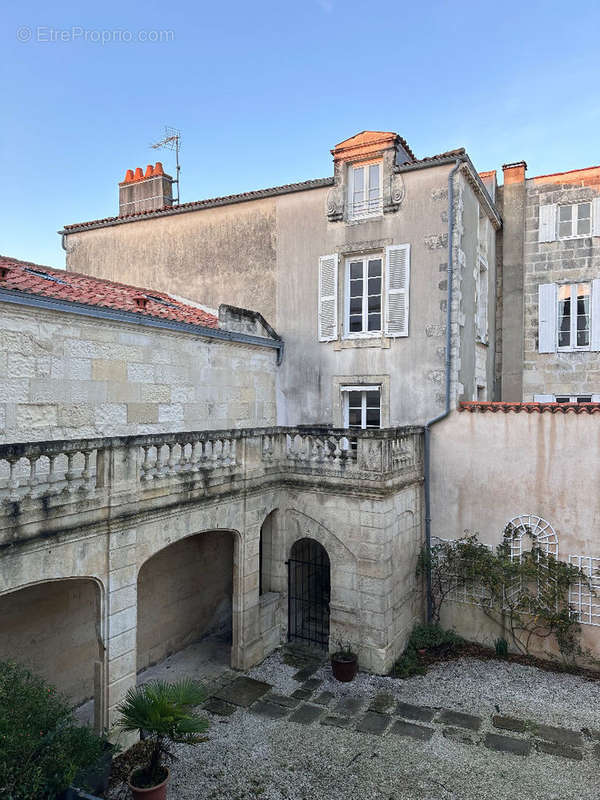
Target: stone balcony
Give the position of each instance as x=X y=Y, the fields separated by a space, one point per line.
x=52 y=487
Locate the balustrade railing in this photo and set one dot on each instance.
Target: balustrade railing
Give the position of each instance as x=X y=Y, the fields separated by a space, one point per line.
x=76 y=469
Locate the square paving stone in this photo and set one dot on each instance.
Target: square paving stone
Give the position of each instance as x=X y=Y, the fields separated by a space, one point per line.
x=324 y=698
x=311 y=684
x=459 y=735
x=382 y=702
x=243 y=691
x=562 y=750
x=461 y=720
x=307 y=713
x=509 y=723
x=301 y=694
x=337 y=722
x=507 y=744
x=270 y=710
x=305 y=673
x=218 y=707
x=281 y=700
x=349 y=705
x=401 y=728
x=373 y=722
x=420 y=713
x=559 y=735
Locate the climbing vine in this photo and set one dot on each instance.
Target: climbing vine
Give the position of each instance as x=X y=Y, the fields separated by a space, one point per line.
x=528 y=596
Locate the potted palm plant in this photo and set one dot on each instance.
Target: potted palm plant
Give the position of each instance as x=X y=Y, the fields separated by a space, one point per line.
x=344 y=662
x=163 y=713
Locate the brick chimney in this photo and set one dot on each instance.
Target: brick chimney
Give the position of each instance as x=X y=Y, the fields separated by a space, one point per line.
x=147 y=191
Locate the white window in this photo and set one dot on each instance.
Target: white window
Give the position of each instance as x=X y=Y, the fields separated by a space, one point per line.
x=574 y=316
x=574 y=220
x=482 y=301
x=364 y=191
x=363 y=295
x=361 y=406
x=569 y=316
x=566 y=398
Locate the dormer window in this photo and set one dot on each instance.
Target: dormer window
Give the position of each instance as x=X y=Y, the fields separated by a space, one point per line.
x=364 y=190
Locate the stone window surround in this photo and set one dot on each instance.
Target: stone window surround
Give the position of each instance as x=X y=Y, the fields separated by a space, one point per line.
x=383 y=381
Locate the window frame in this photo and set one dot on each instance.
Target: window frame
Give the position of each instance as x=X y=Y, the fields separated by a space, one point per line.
x=571 y=348
x=574 y=219
x=482 y=307
x=363 y=389
x=363 y=334
x=368 y=213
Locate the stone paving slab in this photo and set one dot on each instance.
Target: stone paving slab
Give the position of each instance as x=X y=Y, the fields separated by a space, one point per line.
x=311 y=684
x=349 y=705
x=419 y=713
x=218 y=707
x=507 y=744
x=305 y=673
x=460 y=719
x=282 y=700
x=270 y=710
x=509 y=723
x=337 y=722
x=460 y=735
x=382 y=702
x=421 y=732
x=373 y=722
x=243 y=691
x=553 y=749
x=301 y=694
x=324 y=698
x=307 y=713
x=559 y=735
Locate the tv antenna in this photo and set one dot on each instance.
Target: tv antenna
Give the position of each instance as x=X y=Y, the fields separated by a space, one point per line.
x=171 y=141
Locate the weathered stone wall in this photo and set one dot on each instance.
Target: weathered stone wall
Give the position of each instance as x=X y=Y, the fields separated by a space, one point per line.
x=54 y=629
x=64 y=376
x=184 y=593
x=488 y=468
x=568 y=260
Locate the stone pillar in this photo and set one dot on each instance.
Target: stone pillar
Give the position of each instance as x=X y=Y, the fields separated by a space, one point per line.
x=513 y=245
x=121 y=654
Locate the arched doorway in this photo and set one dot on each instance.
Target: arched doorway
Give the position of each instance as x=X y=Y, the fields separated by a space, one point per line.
x=309 y=594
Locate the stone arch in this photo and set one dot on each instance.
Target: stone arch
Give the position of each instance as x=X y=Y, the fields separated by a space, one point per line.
x=56 y=628
x=187 y=590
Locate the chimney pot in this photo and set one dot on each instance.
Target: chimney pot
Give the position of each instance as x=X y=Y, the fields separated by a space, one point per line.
x=128 y=176
x=145 y=192
x=148 y=173
x=140 y=300
x=139 y=175
x=158 y=169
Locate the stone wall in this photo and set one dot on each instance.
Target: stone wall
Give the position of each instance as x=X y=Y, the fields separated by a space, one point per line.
x=65 y=376
x=568 y=260
x=54 y=629
x=184 y=593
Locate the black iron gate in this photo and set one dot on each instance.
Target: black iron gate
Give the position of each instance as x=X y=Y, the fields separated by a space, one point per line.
x=309 y=592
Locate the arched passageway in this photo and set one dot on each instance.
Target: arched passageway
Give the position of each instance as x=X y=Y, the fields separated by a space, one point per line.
x=54 y=629
x=309 y=594
x=185 y=594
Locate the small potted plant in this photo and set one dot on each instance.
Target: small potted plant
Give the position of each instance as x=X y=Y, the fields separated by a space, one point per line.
x=344 y=662
x=163 y=711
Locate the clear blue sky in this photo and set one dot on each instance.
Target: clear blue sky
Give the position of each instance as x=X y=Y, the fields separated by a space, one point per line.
x=263 y=90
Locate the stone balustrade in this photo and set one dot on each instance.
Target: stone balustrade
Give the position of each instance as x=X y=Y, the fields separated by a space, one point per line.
x=76 y=469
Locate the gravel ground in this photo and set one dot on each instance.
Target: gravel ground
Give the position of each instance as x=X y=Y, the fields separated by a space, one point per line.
x=250 y=757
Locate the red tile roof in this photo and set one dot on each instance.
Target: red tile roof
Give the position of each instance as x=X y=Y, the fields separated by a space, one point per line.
x=530 y=408
x=24 y=276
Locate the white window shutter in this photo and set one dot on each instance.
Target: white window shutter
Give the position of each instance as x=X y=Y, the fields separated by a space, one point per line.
x=328 y=282
x=595 y=338
x=547 y=317
x=397 y=285
x=547 y=229
x=596 y=216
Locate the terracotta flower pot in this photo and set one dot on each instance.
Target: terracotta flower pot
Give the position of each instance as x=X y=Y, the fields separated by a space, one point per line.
x=153 y=793
x=344 y=667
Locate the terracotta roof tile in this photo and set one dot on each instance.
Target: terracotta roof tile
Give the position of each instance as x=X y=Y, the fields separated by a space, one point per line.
x=529 y=408
x=24 y=276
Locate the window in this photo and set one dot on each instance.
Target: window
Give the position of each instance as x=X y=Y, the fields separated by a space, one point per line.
x=363 y=295
x=361 y=406
x=364 y=191
x=574 y=316
x=566 y=398
x=574 y=220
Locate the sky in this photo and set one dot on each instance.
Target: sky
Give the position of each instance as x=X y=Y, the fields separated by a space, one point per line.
x=262 y=91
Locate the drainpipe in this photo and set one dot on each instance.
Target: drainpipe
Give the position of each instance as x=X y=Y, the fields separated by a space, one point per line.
x=444 y=414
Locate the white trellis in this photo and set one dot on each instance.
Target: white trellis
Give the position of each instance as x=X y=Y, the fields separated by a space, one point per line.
x=540 y=531
x=470 y=592
x=584 y=599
